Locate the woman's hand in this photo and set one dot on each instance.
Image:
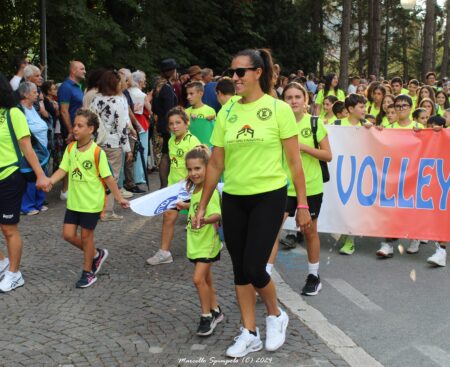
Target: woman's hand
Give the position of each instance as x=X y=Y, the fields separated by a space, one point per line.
x=181 y=205
x=124 y=203
x=198 y=220
x=303 y=219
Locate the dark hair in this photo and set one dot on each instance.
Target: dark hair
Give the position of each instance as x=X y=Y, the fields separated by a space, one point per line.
x=427 y=75
x=226 y=86
x=436 y=120
x=397 y=79
x=46 y=86
x=178 y=111
x=108 y=83
x=7 y=97
x=382 y=114
x=446 y=104
x=298 y=86
x=328 y=79
x=330 y=99
x=353 y=99
x=199 y=152
x=198 y=86
x=91 y=118
x=405 y=98
x=261 y=58
x=18 y=61
x=372 y=88
x=417 y=112
x=433 y=112
x=338 y=107
x=355 y=77
x=431 y=92
x=414 y=81
x=93 y=78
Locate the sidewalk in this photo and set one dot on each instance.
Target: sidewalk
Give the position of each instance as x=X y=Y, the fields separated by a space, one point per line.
x=135 y=315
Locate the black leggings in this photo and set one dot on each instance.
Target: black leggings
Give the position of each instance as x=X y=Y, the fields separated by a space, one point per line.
x=251 y=224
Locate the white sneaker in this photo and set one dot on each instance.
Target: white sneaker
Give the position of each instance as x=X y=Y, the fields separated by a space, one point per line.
x=413 y=247
x=63 y=195
x=386 y=250
x=126 y=194
x=244 y=344
x=11 y=281
x=439 y=258
x=4 y=264
x=160 y=258
x=276 y=330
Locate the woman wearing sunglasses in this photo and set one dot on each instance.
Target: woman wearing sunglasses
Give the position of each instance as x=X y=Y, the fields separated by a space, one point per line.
x=249 y=138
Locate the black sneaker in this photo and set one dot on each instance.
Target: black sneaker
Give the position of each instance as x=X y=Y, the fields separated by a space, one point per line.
x=312 y=286
x=300 y=237
x=136 y=190
x=98 y=262
x=86 y=280
x=218 y=316
x=289 y=242
x=206 y=326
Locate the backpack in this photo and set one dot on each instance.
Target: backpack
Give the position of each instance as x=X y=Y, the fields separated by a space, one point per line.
x=97 y=152
x=323 y=165
x=41 y=151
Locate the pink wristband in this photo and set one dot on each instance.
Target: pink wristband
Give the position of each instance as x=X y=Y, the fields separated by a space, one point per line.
x=302 y=207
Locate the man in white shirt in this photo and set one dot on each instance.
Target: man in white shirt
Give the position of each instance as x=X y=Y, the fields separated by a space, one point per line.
x=20 y=64
x=355 y=80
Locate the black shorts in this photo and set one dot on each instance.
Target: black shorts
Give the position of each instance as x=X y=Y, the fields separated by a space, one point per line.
x=314 y=203
x=84 y=220
x=11 y=192
x=206 y=260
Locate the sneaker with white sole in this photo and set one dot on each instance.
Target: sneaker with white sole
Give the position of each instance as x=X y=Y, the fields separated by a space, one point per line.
x=439 y=258
x=111 y=217
x=244 y=344
x=87 y=279
x=386 y=250
x=312 y=286
x=414 y=247
x=98 y=262
x=11 y=281
x=125 y=193
x=218 y=316
x=160 y=258
x=276 y=330
x=4 y=264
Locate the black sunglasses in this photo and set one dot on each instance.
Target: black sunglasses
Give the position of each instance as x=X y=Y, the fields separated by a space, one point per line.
x=240 y=72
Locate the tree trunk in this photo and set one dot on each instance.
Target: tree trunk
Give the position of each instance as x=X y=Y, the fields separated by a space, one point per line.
x=427 y=52
x=444 y=66
x=405 y=56
x=317 y=23
x=345 y=39
x=433 y=54
x=361 y=17
x=374 y=37
x=322 y=57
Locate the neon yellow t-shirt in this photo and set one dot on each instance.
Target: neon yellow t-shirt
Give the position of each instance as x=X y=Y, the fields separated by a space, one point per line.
x=203 y=242
x=330 y=120
x=7 y=152
x=414 y=101
x=372 y=110
x=411 y=125
x=86 y=192
x=320 y=98
x=251 y=135
x=404 y=91
x=201 y=112
x=177 y=152
x=311 y=165
x=385 y=122
x=346 y=122
x=440 y=111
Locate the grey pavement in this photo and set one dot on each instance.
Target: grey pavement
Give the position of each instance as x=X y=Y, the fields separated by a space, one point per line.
x=134 y=315
x=395 y=309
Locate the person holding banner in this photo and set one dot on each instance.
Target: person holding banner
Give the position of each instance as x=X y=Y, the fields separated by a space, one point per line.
x=297 y=97
x=181 y=142
x=249 y=138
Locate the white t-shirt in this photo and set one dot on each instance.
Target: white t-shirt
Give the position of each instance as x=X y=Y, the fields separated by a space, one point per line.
x=351 y=89
x=138 y=98
x=15 y=81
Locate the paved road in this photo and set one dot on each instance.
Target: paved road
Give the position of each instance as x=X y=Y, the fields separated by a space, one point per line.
x=135 y=315
x=399 y=321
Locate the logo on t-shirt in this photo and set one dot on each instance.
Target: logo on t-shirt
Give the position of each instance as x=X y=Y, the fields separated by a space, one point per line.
x=306 y=132
x=264 y=113
x=200 y=116
x=174 y=162
x=245 y=131
x=77 y=175
x=180 y=152
x=87 y=164
x=232 y=119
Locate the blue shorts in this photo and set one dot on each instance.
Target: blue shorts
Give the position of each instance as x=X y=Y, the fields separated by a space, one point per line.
x=84 y=220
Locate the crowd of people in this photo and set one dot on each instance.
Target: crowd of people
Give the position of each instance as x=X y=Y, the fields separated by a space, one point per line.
x=251 y=128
